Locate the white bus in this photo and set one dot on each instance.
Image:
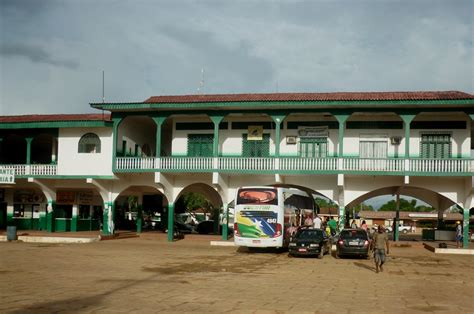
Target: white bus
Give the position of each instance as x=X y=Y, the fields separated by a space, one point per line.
x=265 y=216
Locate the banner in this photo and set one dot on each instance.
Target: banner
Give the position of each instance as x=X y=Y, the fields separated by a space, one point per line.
x=255 y=133
x=7 y=176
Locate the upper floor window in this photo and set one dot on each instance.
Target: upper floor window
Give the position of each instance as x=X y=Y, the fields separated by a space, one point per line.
x=435 y=145
x=89 y=144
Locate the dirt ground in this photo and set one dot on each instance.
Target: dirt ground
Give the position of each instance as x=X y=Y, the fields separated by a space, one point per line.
x=150 y=275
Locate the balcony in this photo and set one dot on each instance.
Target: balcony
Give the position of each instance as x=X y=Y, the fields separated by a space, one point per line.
x=295 y=165
x=32 y=170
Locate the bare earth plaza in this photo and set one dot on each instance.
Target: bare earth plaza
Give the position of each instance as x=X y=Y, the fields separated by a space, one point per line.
x=150 y=275
x=284 y=156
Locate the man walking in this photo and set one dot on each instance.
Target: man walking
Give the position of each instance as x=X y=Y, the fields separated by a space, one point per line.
x=317 y=222
x=379 y=243
x=458 y=234
x=332 y=226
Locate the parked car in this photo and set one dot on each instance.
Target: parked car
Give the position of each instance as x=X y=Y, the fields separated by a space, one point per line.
x=401 y=228
x=352 y=242
x=205 y=227
x=309 y=241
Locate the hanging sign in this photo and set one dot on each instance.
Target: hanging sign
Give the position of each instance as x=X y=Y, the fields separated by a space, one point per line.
x=7 y=176
x=255 y=133
x=65 y=197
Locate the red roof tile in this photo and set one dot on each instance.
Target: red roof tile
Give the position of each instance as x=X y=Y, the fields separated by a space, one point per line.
x=55 y=117
x=347 y=96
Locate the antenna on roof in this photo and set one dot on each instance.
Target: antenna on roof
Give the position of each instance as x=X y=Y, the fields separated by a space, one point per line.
x=201 y=83
x=103 y=86
x=103 y=92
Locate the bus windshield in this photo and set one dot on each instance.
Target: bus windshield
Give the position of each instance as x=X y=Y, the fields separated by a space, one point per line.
x=257 y=196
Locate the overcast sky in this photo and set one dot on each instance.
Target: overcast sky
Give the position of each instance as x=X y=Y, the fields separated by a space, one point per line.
x=52 y=53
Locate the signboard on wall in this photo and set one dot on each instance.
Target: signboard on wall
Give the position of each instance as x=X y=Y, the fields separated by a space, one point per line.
x=85 y=197
x=255 y=133
x=313 y=131
x=7 y=176
x=28 y=196
x=65 y=197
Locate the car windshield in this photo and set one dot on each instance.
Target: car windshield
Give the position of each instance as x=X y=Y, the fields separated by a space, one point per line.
x=353 y=234
x=309 y=234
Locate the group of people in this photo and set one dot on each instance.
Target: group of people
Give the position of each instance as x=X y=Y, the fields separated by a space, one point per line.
x=328 y=225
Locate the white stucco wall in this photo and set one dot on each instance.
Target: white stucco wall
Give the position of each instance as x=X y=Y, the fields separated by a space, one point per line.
x=70 y=162
x=230 y=141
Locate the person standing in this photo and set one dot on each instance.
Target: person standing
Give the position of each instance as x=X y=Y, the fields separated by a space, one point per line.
x=458 y=234
x=379 y=244
x=353 y=224
x=332 y=226
x=317 y=222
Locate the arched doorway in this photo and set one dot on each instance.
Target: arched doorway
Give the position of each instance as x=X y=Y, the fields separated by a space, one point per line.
x=198 y=209
x=140 y=208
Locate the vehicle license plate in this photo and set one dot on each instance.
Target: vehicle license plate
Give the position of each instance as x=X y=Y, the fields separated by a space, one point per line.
x=301 y=250
x=255 y=241
x=353 y=243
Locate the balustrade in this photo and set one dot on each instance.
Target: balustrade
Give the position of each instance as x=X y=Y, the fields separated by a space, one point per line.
x=289 y=164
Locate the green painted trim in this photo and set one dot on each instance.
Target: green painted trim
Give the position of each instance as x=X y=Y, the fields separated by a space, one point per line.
x=231 y=155
x=116 y=123
x=139 y=219
x=50 y=215
x=341 y=118
x=29 y=140
x=159 y=122
x=9 y=216
x=465 y=229
x=74 y=224
x=278 y=120
x=342 y=217
x=55 y=124
x=216 y=119
x=67 y=177
x=225 y=226
x=182 y=154
x=309 y=172
x=108 y=206
x=282 y=104
x=170 y=221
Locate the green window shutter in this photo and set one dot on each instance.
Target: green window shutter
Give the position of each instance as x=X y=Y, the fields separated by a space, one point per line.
x=435 y=146
x=256 y=148
x=200 y=145
x=312 y=147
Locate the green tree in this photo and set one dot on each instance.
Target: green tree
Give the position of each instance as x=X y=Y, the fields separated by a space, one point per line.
x=405 y=206
x=324 y=202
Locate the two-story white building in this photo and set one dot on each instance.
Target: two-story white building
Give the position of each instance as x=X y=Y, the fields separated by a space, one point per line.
x=69 y=172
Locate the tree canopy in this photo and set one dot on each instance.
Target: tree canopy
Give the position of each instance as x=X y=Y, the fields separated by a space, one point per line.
x=406 y=206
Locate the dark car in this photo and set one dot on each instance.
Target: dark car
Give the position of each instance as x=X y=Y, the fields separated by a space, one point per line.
x=353 y=242
x=309 y=241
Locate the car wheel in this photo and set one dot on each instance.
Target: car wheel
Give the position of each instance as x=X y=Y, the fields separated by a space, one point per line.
x=290 y=255
x=405 y=231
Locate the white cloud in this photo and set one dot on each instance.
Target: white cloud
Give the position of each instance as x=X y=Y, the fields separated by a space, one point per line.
x=52 y=53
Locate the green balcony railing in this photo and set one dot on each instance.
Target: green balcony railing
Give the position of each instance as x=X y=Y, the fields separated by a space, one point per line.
x=412 y=166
